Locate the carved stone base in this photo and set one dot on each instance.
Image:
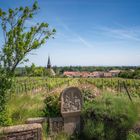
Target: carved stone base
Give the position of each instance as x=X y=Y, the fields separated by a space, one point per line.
x=55 y=125
x=72 y=125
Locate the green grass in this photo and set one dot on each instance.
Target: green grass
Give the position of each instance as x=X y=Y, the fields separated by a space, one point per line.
x=115 y=113
x=21 y=107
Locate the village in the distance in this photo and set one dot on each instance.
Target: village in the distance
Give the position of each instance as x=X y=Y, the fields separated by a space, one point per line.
x=79 y=71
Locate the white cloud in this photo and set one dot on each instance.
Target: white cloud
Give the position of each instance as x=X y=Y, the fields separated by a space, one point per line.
x=130 y=34
x=73 y=36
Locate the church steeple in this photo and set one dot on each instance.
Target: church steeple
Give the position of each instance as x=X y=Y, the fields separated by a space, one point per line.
x=49 y=70
x=49 y=63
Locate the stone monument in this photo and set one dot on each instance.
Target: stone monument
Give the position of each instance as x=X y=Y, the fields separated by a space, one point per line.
x=71 y=105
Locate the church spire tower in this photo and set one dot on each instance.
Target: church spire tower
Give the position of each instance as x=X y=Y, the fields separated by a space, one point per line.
x=49 y=63
x=49 y=70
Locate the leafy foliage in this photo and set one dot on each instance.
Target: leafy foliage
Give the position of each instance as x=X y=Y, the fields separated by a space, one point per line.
x=115 y=114
x=5 y=85
x=34 y=71
x=130 y=74
x=18 y=42
x=52 y=106
x=93 y=130
x=133 y=136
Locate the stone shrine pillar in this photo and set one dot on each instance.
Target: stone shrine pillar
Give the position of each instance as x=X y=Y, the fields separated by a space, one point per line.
x=71 y=105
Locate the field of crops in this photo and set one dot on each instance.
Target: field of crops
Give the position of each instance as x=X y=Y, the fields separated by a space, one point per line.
x=37 y=84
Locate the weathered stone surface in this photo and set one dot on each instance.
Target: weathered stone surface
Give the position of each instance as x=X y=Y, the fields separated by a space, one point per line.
x=72 y=125
x=71 y=105
x=71 y=102
x=56 y=125
x=39 y=120
x=21 y=132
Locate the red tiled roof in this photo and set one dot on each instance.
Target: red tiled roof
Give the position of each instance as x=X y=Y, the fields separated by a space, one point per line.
x=88 y=74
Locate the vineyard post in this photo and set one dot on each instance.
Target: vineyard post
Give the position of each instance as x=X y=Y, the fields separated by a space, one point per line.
x=35 y=86
x=135 y=86
x=30 y=87
x=17 y=89
x=102 y=84
x=111 y=84
x=49 y=85
x=25 y=87
x=127 y=91
x=22 y=88
x=68 y=83
x=42 y=84
x=118 y=86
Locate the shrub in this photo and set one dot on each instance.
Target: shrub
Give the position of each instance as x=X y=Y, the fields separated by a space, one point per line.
x=5 y=119
x=93 y=130
x=117 y=114
x=52 y=106
x=5 y=85
x=133 y=136
x=87 y=95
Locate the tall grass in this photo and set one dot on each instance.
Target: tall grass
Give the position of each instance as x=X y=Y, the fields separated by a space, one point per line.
x=115 y=113
x=21 y=107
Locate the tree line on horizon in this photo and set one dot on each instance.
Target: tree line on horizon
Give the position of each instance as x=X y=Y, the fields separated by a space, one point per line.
x=132 y=72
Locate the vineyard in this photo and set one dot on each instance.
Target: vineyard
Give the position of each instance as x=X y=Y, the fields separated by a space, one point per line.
x=37 y=84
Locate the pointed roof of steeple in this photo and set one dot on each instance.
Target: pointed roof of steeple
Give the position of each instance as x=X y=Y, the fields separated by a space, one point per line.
x=49 y=62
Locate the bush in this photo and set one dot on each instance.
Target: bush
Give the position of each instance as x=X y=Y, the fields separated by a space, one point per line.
x=133 y=136
x=52 y=106
x=87 y=95
x=5 y=85
x=93 y=130
x=116 y=113
x=5 y=119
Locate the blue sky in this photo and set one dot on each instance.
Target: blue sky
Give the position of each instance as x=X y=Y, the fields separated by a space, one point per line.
x=89 y=32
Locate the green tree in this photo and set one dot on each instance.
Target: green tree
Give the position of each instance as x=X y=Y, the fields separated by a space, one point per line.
x=19 y=41
x=39 y=71
x=30 y=70
x=34 y=71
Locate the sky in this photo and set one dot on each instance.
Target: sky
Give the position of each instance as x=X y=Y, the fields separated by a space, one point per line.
x=89 y=32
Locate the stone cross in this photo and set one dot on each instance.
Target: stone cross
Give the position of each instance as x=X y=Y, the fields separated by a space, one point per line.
x=71 y=105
